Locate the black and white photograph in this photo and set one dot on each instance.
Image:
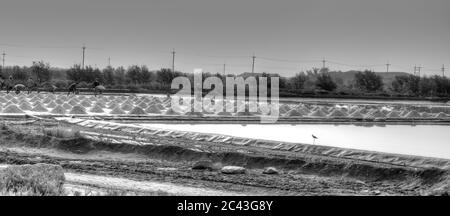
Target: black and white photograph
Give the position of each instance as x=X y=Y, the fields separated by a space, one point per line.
x=224 y=98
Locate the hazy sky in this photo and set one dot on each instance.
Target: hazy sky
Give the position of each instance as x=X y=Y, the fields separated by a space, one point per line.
x=286 y=35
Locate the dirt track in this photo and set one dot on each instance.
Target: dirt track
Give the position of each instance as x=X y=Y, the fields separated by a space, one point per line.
x=170 y=161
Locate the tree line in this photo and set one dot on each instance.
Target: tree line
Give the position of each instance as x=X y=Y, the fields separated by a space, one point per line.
x=315 y=81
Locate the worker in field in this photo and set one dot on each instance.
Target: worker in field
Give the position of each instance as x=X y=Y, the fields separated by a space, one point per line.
x=2 y=82
x=30 y=85
x=52 y=89
x=97 y=87
x=19 y=87
x=37 y=85
x=73 y=89
x=9 y=83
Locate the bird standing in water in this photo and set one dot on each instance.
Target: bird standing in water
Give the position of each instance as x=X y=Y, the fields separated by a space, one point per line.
x=314 y=139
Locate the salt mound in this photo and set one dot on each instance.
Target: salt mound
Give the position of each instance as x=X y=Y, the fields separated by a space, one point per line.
x=284 y=108
x=59 y=101
x=160 y=106
x=117 y=111
x=170 y=112
x=293 y=112
x=353 y=109
x=58 y=110
x=377 y=114
x=363 y=110
x=100 y=104
x=302 y=110
x=12 y=109
x=393 y=114
x=224 y=113
x=404 y=113
x=413 y=114
x=128 y=102
x=67 y=106
x=126 y=107
x=153 y=109
x=36 y=103
x=356 y=114
x=34 y=99
x=78 y=110
x=39 y=108
x=318 y=113
x=111 y=105
x=25 y=106
x=96 y=109
x=62 y=97
x=441 y=115
x=146 y=100
x=142 y=105
x=51 y=97
x=14 y=101
x=167 y=104
x=51 y=105
x=85 y=103
x=8 y=97
x=425 y=115
x=137 y=111
x=73 y=102
x=337 y=113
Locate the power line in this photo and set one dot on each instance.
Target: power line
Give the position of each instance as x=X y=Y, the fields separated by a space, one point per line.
x=286 y=60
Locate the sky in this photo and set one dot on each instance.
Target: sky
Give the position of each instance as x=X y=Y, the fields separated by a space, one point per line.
x=286 y=36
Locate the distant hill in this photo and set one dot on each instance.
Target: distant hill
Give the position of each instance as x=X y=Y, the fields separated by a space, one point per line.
x=348 y=76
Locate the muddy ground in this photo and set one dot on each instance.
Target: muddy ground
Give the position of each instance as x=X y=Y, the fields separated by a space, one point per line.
x=166 y=168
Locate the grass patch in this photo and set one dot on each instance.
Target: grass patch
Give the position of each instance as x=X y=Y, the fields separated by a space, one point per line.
x=32 y=180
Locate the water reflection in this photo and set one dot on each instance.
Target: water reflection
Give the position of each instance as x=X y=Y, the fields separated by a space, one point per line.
x=424 y=140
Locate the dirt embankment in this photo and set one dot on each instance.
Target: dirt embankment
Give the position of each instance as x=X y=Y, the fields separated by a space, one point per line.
x=301 y=174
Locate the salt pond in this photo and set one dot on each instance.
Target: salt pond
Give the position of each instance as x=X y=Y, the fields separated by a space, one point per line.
x=422 y=140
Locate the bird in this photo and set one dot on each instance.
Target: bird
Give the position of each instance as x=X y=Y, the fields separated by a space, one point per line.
x=314 y=139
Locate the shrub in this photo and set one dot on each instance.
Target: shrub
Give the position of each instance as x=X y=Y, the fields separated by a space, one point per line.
x=61 y=132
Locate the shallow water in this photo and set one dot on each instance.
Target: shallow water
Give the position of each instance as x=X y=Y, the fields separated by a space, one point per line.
x=422 y=140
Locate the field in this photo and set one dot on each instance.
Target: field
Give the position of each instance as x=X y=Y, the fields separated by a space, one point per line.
x=103 y=151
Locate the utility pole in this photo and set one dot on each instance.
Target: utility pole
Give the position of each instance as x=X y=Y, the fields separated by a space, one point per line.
x=173 y=60
x=323 y=63
x=109 y=61
x=387 y=67
x=224 y=74
x=418 y=68
x=3 y=60
x=82 y=63
x=253 y=63
x=443 y=71
x=415 y=69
